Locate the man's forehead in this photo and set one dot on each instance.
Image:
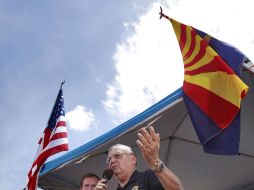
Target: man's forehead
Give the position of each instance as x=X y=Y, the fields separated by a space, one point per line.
x=90 y=179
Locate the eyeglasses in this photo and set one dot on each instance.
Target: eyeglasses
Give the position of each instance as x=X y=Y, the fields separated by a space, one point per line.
x=116 y=156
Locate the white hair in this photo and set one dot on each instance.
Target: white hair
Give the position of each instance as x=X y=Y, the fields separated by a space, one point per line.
x=123 y=147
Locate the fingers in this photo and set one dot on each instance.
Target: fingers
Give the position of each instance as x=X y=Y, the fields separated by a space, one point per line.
x=158 y=139
x=148 y=139
x=144 y=140
x=153 y=135
x=149 y=144
x=140 y=145
x=144 y=137
x=101 y=185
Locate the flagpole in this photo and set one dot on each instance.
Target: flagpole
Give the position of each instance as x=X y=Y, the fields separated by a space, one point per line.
x=163 y=15
x=62 y=83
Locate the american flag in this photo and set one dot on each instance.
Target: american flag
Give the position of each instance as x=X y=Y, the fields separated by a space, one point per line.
x=53 y=140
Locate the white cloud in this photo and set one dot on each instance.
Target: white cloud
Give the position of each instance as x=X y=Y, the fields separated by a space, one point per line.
x=147 y=68
x=80 y=119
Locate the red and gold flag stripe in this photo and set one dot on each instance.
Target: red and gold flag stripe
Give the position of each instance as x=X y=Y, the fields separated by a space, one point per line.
x=208 y=80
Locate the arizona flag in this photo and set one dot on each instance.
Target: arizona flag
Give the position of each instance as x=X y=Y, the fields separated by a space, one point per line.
x=212 y=89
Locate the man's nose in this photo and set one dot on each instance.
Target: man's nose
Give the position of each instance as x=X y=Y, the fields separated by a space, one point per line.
x=112 y=161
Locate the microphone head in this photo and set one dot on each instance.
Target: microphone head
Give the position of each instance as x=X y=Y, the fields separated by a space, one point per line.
x=107 y=174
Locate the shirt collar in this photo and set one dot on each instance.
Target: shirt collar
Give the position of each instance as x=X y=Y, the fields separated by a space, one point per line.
x=134 y=177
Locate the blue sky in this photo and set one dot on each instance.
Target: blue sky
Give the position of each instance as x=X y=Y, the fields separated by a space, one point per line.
x=116 y=57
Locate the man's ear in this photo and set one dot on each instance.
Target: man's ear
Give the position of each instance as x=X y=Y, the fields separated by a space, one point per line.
x=134 y=159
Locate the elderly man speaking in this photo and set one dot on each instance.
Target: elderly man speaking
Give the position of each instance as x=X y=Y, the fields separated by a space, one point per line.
x=123 y=162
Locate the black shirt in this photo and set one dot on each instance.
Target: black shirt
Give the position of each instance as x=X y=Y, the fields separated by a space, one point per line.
x=146 y=180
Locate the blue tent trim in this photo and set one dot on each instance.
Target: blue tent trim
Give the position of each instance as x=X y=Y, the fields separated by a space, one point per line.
x=51 y=165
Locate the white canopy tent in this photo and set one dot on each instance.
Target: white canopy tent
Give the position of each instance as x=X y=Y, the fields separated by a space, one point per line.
x=180 y=150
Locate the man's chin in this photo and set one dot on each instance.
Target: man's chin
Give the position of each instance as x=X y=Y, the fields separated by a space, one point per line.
x=116 y=171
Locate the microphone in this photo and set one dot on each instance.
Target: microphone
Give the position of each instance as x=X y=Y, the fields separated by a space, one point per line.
x=107 y=174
